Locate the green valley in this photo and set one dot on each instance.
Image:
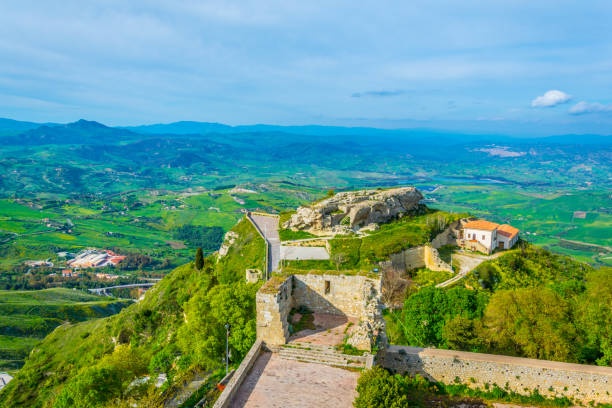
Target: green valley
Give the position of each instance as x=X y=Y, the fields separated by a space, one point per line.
x=26 y=317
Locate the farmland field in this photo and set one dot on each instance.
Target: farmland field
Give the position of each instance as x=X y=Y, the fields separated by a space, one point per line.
x=545 y=218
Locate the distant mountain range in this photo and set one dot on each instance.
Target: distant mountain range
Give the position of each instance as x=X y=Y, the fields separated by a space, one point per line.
x=91 y=132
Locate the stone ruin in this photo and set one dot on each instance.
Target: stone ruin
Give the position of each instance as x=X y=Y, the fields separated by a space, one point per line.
x=355 y=297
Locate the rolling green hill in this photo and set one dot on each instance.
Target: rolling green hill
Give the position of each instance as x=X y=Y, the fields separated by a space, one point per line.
x=177 y=329
x=28 y=316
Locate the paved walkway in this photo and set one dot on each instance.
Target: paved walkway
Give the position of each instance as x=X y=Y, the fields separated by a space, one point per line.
x=329 y=329
x=277 y=383
x=295 y=253
x=268 y=225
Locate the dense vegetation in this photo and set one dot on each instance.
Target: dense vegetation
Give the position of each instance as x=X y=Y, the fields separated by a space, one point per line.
x=378 y=388
x=528 y=302
x=28 y=316
x=178 y=329
x=207 y=238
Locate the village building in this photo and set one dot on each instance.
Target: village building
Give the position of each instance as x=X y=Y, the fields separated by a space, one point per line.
x=485 y=236
x=93 y=258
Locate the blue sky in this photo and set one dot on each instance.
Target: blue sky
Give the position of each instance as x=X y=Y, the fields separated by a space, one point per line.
x=475 y=66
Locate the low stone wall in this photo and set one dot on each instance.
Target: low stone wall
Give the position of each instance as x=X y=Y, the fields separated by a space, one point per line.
x=241 y=373
x=335 y=294
x=584 y=383
x=419 y=257
x=272 y=313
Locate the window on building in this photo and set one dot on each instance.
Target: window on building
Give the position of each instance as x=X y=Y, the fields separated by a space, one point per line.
x=327 y=287
x=483 y=238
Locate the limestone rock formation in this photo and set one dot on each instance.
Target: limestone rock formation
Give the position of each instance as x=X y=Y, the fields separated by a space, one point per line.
x=353 y=210
x=228 y=240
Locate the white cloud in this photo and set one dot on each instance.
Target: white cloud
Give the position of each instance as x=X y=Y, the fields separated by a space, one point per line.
x=584 y=107
x=550 y=98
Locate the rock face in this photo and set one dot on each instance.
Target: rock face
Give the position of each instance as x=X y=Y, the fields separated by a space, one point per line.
x=228 y=240
x=353 y=210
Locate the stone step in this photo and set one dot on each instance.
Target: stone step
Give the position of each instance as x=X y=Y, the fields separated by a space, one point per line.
x=321 y=348
x=331 y=352
x=313 y=354
x=310 y=346
x=331 y=358
x=316 y=361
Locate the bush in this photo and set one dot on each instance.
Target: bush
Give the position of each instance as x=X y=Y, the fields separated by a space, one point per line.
x=377 y=388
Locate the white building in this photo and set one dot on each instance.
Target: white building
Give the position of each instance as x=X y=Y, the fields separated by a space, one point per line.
x=485 y=236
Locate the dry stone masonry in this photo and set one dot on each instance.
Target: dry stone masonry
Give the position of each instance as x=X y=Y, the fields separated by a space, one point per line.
x=351 y=296
x=353 y=210
x=584 y=383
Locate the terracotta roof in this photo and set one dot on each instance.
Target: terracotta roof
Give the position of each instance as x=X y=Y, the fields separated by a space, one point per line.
x=507 y=230
x=481 y=225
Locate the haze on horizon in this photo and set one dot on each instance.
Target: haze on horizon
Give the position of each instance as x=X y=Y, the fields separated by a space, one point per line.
x=515 y=67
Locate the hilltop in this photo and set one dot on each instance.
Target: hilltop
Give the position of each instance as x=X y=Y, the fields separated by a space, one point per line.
x=176 y=334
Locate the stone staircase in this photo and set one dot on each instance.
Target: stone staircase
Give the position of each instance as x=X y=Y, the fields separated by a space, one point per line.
x=319 y=354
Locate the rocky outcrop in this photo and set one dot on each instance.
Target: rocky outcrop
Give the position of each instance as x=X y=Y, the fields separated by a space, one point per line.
x=228 y=241
x=353 y=210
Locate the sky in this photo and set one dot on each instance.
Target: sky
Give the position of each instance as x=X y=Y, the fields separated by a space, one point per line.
x=516 y=67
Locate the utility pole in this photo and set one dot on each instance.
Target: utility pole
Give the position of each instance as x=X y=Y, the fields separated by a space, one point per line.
x=227 y=348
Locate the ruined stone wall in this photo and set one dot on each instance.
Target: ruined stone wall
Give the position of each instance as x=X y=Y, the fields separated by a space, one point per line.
x=348 y=295
x=272 y=313
x=433 y=261
x=522 y=375
x=353 y=296
x=419 y=257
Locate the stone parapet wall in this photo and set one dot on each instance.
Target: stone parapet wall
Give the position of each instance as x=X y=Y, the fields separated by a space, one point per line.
x=584 y=383
x=240 y=374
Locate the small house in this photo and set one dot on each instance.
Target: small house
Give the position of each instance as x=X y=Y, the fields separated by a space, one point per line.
x=485 y=236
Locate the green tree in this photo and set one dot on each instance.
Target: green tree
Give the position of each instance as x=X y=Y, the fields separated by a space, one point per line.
x=594 y=317
x=330 y=193
x=426 y=312
x=207 y=313
x=92 y=387
x=531 y=322
x=377 y=388
x=199 y=259
x=462 y=333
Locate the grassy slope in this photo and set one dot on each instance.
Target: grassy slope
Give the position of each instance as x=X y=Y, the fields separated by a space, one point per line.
x=150 y=326
x=527 y=267
x=27 y=316
x=362 y=253
x=247 y=252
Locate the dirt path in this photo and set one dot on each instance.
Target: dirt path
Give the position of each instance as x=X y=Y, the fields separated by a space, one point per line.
x=467 y=263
